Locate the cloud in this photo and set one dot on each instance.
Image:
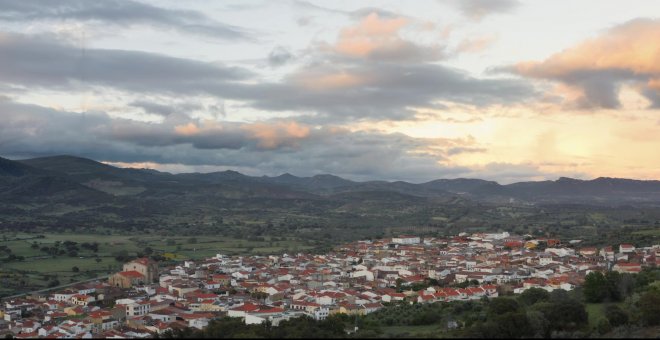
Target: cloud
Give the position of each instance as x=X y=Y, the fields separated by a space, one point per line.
x=475 y=44
x=376 y=37
x=120 y=13
x=33 y=130
x=275 y=135
x=361 y=13
x=304 y=20
x=306 y=5
x=373 y=72
x=359 y=90
x=42 y=61
x=266 y=147
x=595 y=69
x=279 y=56
x=478 y=9
x=209 y=134
x=330 y=88
x=506 y=173
x=164 y=109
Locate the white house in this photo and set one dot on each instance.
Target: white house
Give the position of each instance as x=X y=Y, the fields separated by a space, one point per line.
x=369 y=276
x=406 y=239
x=626 y=248
x=138 y=308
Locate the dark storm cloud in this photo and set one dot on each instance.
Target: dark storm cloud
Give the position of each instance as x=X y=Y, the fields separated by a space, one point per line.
x=119 y=13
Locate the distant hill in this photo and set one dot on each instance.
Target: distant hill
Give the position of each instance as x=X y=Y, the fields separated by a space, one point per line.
x=594 y=191
x=461 y=185
x=130 y=182
x=319 y=184
x=66 y=190
x=10 y=168
x=26 y=184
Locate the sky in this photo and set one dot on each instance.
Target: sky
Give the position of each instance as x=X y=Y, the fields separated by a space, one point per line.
x=504 y=90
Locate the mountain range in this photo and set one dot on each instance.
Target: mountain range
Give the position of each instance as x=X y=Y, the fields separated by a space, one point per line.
x=68 y=178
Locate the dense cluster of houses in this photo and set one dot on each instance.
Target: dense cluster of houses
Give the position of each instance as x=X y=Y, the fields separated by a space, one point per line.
x=357 y=279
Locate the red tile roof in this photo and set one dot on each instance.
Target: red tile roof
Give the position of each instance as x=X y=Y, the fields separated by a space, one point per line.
x=268 y=310
x=247 y=307
x=132 y=274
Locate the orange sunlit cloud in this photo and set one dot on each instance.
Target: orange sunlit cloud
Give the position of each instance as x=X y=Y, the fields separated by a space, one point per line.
x=370 y=34
x=271 y=136
x=628 y=52
x=376 y=37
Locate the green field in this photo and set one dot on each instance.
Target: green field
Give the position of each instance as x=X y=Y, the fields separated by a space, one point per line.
x=421 y=331
x=426 y=331
x=38 y=268
x=648 y=232
x=596 y=312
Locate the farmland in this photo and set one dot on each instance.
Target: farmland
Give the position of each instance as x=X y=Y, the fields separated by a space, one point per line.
x=33 y=268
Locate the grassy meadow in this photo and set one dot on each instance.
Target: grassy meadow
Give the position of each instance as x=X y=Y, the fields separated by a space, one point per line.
x=37 y=269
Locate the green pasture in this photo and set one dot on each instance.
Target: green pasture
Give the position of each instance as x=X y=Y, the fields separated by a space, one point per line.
x=29 y=273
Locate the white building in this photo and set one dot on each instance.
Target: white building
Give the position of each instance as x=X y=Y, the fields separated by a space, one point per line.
x=407 y=239
x=138 y=308
x=545 y=259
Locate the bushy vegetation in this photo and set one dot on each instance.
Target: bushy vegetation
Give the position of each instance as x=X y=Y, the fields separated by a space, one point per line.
x=614 y=287
x=297 y=328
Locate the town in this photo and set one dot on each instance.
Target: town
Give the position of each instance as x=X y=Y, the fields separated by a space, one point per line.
x=358 y=278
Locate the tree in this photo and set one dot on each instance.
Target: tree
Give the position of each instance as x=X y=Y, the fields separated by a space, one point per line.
x=259 y=295
x=645 y=277
x=616 y=316
x=75 y=269
x=562 y=315
x=507 y=325
x=603 y=326
x=502 y=305
x=538 y=323
x=595 y=287
x=121 y=255
x=533 y=295
x=626 y=285
x=649 y=306
x=613 y=286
